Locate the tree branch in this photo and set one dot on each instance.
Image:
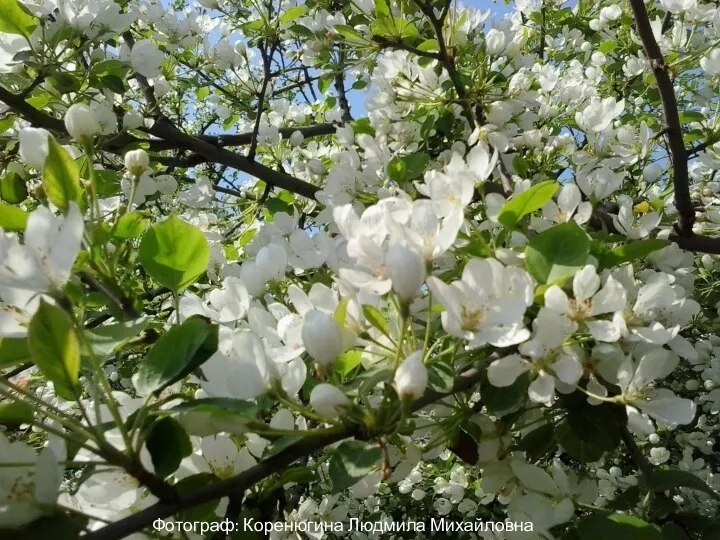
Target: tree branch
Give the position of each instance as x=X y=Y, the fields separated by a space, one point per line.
x=236 y=485
x=678 y=156
x=340 y=86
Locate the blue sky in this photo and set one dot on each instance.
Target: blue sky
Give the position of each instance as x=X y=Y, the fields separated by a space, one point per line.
x=498 y=9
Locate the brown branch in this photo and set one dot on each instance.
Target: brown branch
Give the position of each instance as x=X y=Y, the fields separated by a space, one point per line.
x=236 y=485
x=211 y=153
x=678 y=156
x=241 y=139
x=267 y=61
x=340 y=86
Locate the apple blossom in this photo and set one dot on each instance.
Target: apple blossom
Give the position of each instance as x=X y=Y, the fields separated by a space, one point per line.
x=411 y=376
x=81 y=122
x=328 y=400
x=322 y=337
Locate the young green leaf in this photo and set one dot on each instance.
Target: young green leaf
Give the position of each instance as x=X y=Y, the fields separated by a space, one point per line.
x=557 y=253
x=175 y=253
x=182 y=349
x=13 y=351
x=527 y=202
x=12 y=218
x=15 y=18
x=61 y=177
x=55 y=349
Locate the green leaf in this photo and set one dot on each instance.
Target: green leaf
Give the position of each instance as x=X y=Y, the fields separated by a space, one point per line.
x=527 y=202
x=632 y=251
x=415 y=165
x=501 y=401
x=58 y=527
x=671 y=531
x=219 y=406
x=538 y=442
x=130 y=225
x=397 y=170
x=429 y=45
x=362 y=125
x=297 y=475
x=281 y=444
x=596 y=425
x=381 y=9
x=557 y=253
x=175 y=253
x=61 y=177
x=54 y=348
x=374 y=317
x=13 y=351
x=182 y=349
x=351 y=462
x=65 y=83
x=670 y=479
x=347 y=361
x=12 y=218
x=168 y=444
x=687 y=117
x=292 y=14
x=616 y=527
x=15 y=413
x=190 y=484
x=349 y=33
x=15 y=18
x=607 y=47
x=341 y=312
x=13 y=188
x=521 y=165
x=576 y=447
x=107 y=339
x=441 y=376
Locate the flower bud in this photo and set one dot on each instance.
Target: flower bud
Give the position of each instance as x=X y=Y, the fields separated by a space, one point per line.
x=34 y=146
x=327 y=400
x=132 y=120
x=495 y=42
x=81 y=123
x=296 y=138
x=407 y=271
x=411 y=377
x=322 y=337
x=137 y=161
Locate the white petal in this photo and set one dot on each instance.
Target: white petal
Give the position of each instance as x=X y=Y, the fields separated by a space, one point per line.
x=533 y=477
x=568 y=368
x=504 y=371
x=612 y=297
x=569 y=198
x=557 y=300
x=586 y=283
x=606 y=331
x=542 y=389
x=669 y=409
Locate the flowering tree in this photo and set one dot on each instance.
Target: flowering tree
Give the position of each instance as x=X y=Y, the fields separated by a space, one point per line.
x=228 y=292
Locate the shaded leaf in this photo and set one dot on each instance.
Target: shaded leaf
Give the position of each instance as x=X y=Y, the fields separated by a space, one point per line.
x=168 y=444
x=182 y=349
x=351 y=462
x=557 y=253
x=54 y=348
